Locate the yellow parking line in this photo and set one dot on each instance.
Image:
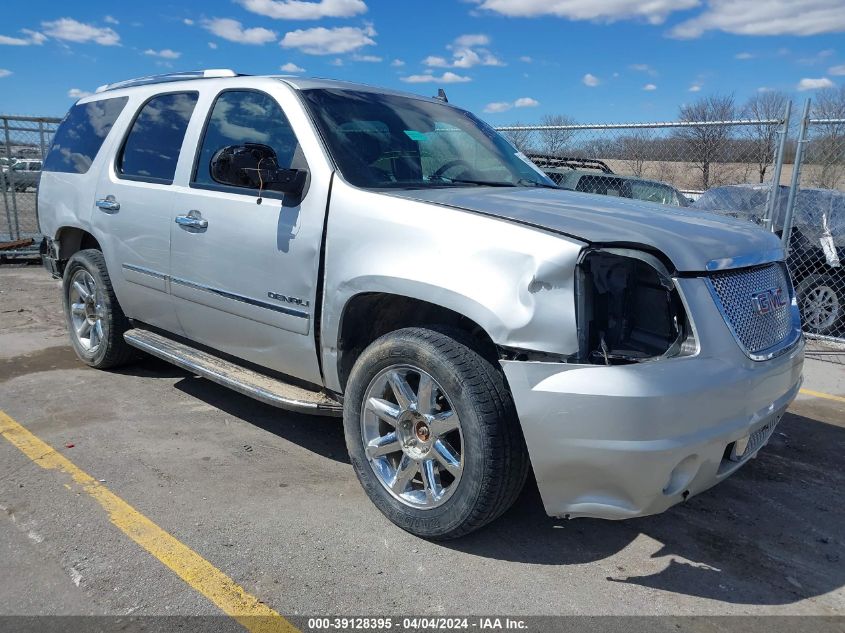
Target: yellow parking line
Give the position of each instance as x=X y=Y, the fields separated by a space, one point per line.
x=201 y=575
x=821 y=394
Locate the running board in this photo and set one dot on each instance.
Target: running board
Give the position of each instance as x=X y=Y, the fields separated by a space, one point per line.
x=246 y=381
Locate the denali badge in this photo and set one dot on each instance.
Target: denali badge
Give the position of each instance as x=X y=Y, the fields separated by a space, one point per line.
x=768 y=300
x=295 y=300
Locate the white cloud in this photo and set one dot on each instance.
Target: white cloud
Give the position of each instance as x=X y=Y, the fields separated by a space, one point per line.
x=466 y=53
x=212 y=46
x=366 y=58
x=76 y=93
x=233 y=31
x=471 y=40
x=188 y=21
x=498 y=106
x=744 y=56
x=526 y=59
x=590 y=80
x=773 y=17
x=814 y=84
x=110 y=20
x=300 y=10
x=334 y=41
x=436 y=62
x=336 y=62
x=397 y=63
x=504 y=106
x=13 y=41
x=526 y=102
x=164 y=53
x=696 y=86
x=764 y=89
x=290 y=67
x=445 y=78
x=653 y=11
x=70 y=30
x=649 y=87
x=643 y=68
x=4 y=72
x=837 y=70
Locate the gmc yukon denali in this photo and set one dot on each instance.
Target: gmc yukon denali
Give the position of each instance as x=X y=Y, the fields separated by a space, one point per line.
x=337 y=249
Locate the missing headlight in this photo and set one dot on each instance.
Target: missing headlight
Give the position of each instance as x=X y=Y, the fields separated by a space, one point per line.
x=629 y=310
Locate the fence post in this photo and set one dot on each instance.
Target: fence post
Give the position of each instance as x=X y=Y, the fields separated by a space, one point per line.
x=796 y=176
x=774 y=191
x=10 y=183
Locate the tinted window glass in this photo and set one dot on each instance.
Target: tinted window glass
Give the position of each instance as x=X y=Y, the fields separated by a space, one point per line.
x=240 y=117
x=81 y=134
x=152 y=148
x=381 y=140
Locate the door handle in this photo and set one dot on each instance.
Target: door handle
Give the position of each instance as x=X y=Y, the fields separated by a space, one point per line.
x=108 y=204
x=192 y=220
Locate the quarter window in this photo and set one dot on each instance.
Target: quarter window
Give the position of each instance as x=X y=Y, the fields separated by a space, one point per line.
x=81 y=134
x=151 y=149
x=246 y=116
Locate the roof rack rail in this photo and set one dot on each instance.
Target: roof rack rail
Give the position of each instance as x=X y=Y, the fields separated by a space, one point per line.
x=160 y=79
x=549 y=160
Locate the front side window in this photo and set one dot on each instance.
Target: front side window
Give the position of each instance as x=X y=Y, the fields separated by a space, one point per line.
x=81 y=134
x=380 y=140
x=239 y=117
x=152 y=147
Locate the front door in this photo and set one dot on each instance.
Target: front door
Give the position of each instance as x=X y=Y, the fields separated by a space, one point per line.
x=134 y=204
x=245 y=262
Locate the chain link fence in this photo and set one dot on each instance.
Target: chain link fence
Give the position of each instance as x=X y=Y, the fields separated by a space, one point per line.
x=788 y=179
x=23 y=146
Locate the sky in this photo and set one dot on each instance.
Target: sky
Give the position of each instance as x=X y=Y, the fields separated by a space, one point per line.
x=596 y=61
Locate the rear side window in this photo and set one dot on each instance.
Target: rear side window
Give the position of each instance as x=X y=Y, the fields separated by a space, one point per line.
x=81 y=134
x=151 y=149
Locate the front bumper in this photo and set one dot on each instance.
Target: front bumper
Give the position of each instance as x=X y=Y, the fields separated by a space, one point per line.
x=632 y=440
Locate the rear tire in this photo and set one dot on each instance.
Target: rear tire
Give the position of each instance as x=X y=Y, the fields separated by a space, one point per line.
x=95 y=321
x=450 y=458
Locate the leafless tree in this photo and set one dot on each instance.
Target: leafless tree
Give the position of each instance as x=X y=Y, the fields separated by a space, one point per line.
x=521 y=139
x=635 y=149
x=827 y=141
x=706 y=143
x=555 y=141
x=763 y=137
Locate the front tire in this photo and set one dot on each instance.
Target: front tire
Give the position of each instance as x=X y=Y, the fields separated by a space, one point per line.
x=432 y=433
x=820 y=298
x=95 y=321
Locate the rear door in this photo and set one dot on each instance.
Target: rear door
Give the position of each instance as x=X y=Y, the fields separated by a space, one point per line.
x=245 y=262
x=133 y=207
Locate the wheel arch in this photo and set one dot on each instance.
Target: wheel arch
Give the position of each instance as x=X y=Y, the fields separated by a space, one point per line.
x=71 y=239
x=368 y=315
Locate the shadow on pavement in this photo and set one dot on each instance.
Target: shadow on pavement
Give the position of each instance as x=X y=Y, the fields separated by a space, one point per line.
x=771 y=534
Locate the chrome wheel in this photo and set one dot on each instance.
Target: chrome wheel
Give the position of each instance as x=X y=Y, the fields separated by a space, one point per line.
x=86 y=311
x=820 y=307
x=412 y=436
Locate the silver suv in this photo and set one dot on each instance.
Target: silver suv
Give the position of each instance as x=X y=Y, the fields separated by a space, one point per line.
x=338 y=249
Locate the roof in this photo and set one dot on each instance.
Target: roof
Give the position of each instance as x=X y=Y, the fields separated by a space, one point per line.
x=296 y=82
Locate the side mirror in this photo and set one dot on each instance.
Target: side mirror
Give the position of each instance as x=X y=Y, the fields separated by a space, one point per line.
x=255 y=166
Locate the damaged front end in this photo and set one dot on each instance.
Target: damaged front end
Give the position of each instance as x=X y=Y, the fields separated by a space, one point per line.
x=629 y=309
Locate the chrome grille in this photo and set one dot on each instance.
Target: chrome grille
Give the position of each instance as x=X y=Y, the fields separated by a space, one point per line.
x=735 y=290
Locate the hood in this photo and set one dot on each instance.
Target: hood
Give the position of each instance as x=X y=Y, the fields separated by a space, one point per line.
x=689 y=239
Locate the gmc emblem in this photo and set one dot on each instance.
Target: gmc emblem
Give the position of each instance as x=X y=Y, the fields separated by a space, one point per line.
x=768 y=300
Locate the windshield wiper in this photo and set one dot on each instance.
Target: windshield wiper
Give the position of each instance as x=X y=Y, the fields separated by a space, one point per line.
x=483 y=183
x=524 y=182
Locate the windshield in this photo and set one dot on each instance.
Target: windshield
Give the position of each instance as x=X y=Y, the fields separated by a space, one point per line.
x=380 y=140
